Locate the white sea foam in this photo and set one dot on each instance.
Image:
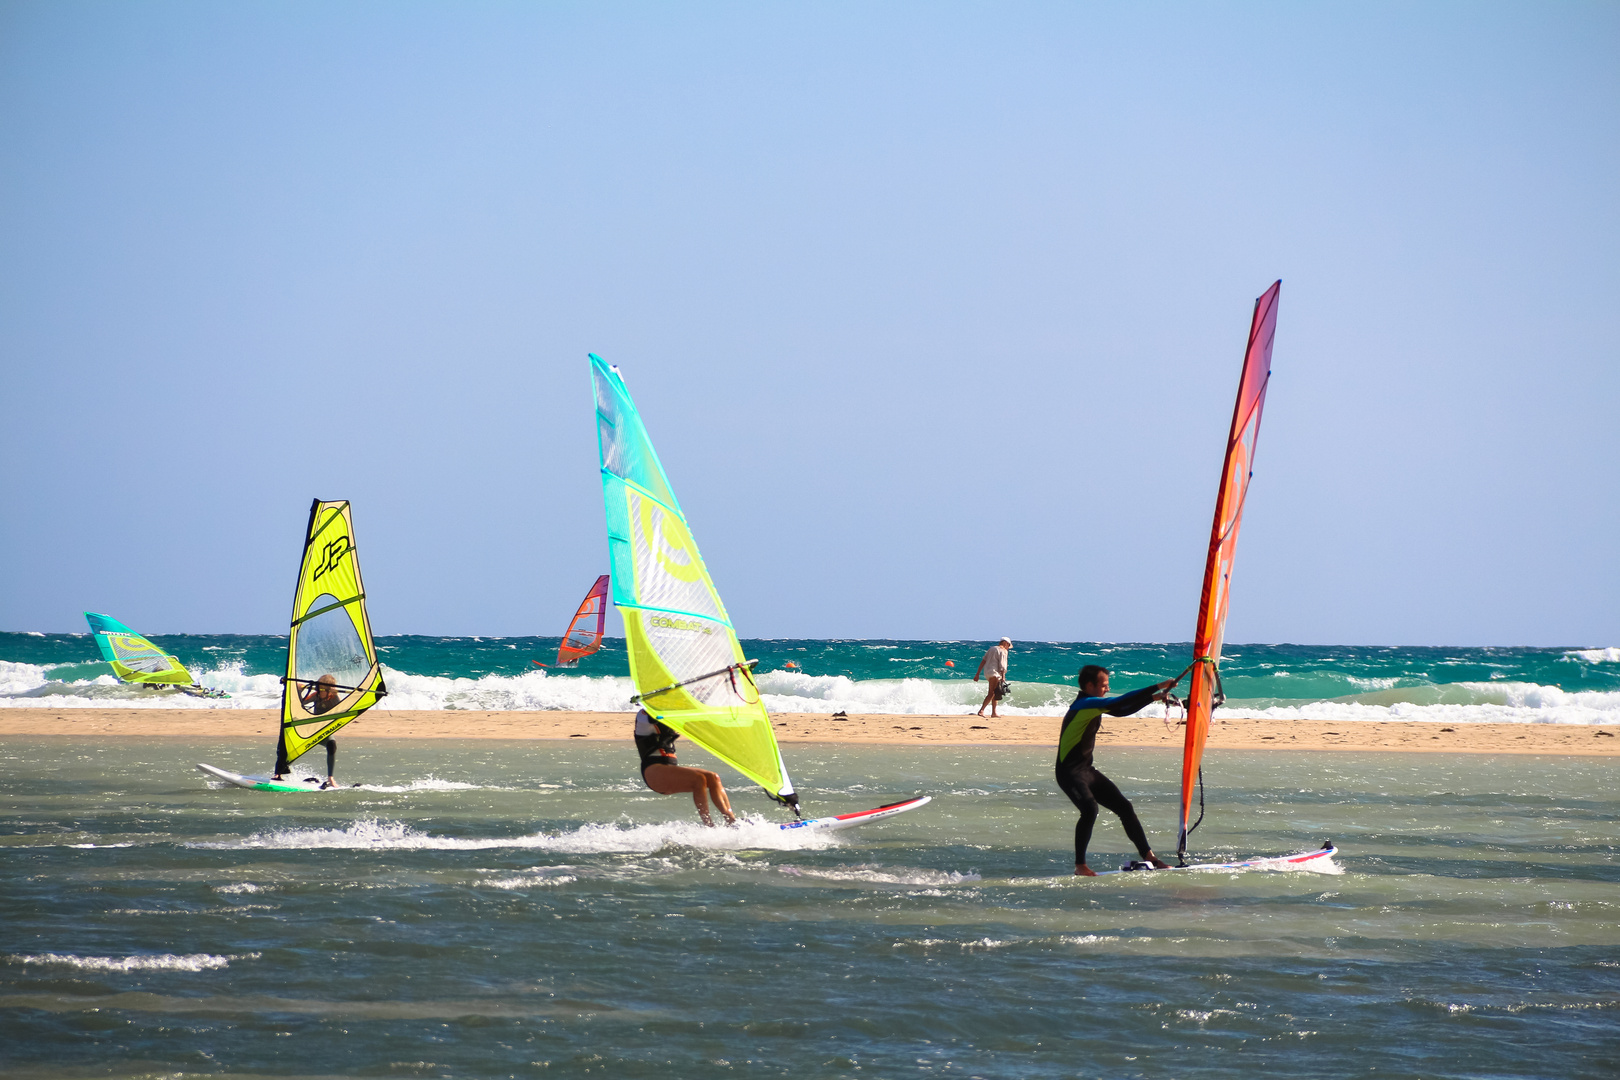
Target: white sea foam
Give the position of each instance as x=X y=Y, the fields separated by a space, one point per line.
x=538 y=878
x=1496 y=701
x=158 y=962
x=877 y=875
x=751 y=834
x=1473 y=703
x=429 y=783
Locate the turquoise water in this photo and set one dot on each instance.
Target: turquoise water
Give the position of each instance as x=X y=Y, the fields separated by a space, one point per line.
x=1565 y=685
x=526 y=908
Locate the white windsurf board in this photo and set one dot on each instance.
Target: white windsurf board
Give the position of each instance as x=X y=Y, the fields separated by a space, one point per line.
x=260 y=783
x=1320 y=859
x=860 y=817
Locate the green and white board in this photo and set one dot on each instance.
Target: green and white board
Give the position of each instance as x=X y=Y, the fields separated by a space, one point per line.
x=261 y=783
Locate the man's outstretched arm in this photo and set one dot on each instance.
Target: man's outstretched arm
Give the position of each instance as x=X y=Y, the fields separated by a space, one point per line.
x=1136 y=700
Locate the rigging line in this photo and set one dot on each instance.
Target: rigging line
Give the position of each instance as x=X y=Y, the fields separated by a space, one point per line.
x=749 y=676
x=1200 y=820
x=639 y=698
x=1181 y=842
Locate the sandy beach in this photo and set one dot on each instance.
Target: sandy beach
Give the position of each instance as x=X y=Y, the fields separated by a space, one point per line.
x=805 y=727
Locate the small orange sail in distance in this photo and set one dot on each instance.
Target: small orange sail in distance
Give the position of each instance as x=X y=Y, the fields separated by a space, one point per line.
x=584 y=634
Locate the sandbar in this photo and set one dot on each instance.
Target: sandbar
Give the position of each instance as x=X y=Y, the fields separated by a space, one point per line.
x=1225 y=734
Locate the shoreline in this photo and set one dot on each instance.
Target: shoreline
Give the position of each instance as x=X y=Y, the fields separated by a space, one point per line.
x=1411 y=736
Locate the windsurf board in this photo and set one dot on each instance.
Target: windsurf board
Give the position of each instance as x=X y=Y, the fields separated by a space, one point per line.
x=259 y=783
x=1320 y=859
x=860 y=817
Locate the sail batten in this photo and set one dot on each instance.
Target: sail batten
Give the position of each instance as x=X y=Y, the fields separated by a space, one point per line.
x=1236 y=472
x=678 y=636
x=333 y=675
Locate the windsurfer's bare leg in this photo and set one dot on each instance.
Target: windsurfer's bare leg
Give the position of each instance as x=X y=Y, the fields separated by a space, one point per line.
x=990 y=695
x=717 y=792
x=700 y=783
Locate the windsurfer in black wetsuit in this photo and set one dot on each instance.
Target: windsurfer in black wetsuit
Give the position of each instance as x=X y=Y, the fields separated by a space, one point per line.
x=656 y=745
x=1084 y=785
x=322 y=696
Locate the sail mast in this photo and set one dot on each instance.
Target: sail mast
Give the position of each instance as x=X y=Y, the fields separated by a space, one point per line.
x=1236 y=471
x=685 y=659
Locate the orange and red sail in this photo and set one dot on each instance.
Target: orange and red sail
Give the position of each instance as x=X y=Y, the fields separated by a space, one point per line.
x=584 y=634
x=1235 y=476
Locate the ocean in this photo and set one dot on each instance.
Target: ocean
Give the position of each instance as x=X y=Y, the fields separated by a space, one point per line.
x=522 y=909
x=1339 y=683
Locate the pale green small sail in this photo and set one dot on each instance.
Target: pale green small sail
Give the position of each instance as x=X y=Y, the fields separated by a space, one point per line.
x=133 y=658
x=136 y=660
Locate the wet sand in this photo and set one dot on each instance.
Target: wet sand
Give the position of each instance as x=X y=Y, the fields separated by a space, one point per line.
x=1409 y=736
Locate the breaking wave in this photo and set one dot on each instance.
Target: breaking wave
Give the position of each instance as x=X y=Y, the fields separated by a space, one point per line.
x=372 y=834
x=160 y=962
x=1341 y=684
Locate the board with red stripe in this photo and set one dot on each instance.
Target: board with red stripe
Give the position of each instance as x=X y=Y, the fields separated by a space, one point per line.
x=1321 y=859
x=860 y=817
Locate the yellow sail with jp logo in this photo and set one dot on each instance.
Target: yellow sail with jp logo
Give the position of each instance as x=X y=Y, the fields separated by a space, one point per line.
x=688 y=667
x=332 y=670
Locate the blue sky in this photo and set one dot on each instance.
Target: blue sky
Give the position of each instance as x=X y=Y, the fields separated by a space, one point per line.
x=934 y=311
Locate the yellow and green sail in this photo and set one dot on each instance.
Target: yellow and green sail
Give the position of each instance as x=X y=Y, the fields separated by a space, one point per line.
x=332 y=670
x=687 y=664
x=133 y=658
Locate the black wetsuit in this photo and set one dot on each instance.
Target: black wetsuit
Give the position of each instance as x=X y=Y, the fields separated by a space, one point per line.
x=310 y=699
x=657 y=748
x=1084 y=785
x=283 y=766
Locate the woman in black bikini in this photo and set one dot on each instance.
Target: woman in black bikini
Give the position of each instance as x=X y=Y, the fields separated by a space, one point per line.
x=656 y=745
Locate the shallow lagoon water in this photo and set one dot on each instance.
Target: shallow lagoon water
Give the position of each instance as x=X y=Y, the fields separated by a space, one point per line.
x=526 y=908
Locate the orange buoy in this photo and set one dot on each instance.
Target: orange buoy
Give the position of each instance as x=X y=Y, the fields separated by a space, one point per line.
x=950 y=663
x=790 y=664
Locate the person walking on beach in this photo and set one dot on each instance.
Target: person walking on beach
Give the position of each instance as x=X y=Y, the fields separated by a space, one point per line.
x=656 y=745
x=1081 y=782
x=994 y=669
